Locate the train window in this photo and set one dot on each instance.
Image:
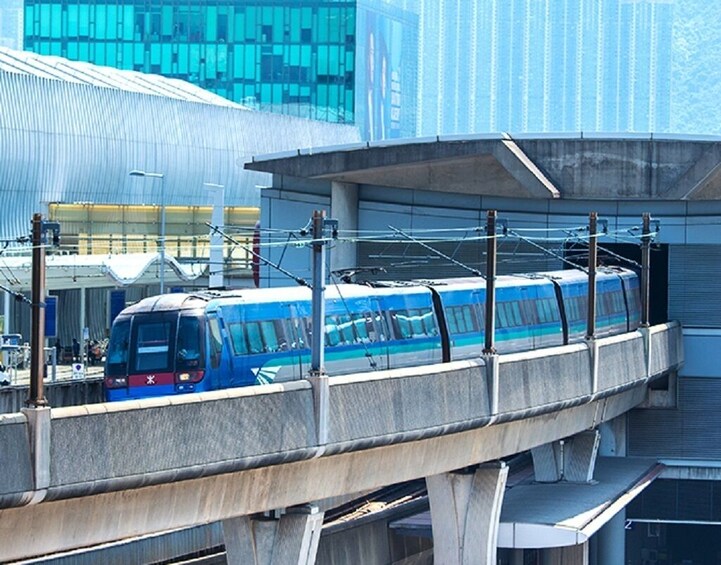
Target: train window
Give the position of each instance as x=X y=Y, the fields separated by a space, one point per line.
x=530 y=311
x=332 y=334
x=188 y=351
x=251 y=338
x=461 y=320
x=237 y=338
x=255 y=343
x=577 y=306
x=618 y=303
x=364 y=326
x=602 y=304
x=296 y=333
x=117 y=355
x=501 y=316
x=153 y=339
x=272 y=336
x=508 y=314
x=547 y=311
x=347 y=329
x=516 y=314
x=413 y=323
x=381 y=326
x=416 y=319
x=216 y=342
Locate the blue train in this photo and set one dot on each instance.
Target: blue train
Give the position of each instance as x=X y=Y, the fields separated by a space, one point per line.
x=181 y=343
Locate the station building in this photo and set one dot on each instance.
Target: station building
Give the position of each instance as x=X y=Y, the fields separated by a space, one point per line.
x=70 y=135
x=388 y=196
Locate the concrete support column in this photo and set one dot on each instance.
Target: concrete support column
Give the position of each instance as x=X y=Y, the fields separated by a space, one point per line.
x=6 y=312
x=291 y=539
x=39 y=423
x=572 y=459
x=611 y=538
x=83 y=317
x=6 y=320
x=465 y=512
x=344 y=208
x=517 y=557
x=568 y=555
x=611 y=541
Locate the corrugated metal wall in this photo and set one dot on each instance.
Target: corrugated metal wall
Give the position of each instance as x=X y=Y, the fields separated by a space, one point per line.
x=67 y=142
x=412 y=261
x=690 y=431
x=694 y=287
x=678 y=500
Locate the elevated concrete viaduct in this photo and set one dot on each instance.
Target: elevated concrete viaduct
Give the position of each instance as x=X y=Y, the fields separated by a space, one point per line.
x=79 y=476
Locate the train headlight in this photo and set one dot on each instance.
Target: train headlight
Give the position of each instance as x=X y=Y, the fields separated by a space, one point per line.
x=189 y=377
x=116 y=382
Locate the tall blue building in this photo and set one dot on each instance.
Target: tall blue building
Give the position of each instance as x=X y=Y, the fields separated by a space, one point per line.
x=547 y=65
x=11 y=25
x=342 y=61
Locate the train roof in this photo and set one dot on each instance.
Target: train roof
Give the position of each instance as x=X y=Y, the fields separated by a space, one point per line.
x=577 y=275
x=474 y=283
x=209 y=298
x=300 y=293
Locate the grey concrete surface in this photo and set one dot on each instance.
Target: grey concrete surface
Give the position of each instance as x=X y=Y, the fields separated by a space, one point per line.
x=137 y=467
x=464 y=511
x=16 y=470
x=578 y=168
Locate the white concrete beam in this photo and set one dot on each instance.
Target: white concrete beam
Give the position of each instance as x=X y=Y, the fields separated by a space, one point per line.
x=291 y=539
x=344 y=208
x=465 y=512
x=571 y=459
x=568 y=555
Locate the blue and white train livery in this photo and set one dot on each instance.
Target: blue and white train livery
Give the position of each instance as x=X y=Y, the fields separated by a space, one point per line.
x=179 y=343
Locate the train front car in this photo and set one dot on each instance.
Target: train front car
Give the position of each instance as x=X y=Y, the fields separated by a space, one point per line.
x=157 y=348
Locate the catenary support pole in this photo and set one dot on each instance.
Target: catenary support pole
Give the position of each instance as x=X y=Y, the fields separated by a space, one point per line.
x=645 y=269
x=318 y=310
x=592 y=260
x=37 y=339
x=490 y=328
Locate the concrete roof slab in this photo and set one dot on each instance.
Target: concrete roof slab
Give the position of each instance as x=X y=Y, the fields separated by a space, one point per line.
x=539 y=515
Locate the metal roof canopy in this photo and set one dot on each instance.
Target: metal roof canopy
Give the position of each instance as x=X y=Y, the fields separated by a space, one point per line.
x=474 y=164
x=60 y=68
x=543 y=515
x=97 y=271
x=525 y=166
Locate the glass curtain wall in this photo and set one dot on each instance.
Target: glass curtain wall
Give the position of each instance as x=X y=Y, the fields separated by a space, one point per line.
x=291 y=57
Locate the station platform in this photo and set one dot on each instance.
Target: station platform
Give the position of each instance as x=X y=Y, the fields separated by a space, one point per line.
x=21 y=377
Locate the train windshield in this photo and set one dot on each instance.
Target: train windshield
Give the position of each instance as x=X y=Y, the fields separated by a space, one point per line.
x=153 y=338
x=189 y=355
x=117 y=355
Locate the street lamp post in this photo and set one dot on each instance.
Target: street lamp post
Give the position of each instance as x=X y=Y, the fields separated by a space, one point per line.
x=161 y=176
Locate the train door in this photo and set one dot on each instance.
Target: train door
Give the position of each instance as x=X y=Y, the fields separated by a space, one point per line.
x=220 y=361
x=298 y=342
x=383 y=335
x=528 y=335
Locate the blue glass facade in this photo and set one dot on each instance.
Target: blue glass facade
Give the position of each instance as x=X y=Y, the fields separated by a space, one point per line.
x=296 y=58
x=545 y=66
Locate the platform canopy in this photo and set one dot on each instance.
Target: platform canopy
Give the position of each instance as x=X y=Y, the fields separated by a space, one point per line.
x=542 y=515
x=97 y=271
